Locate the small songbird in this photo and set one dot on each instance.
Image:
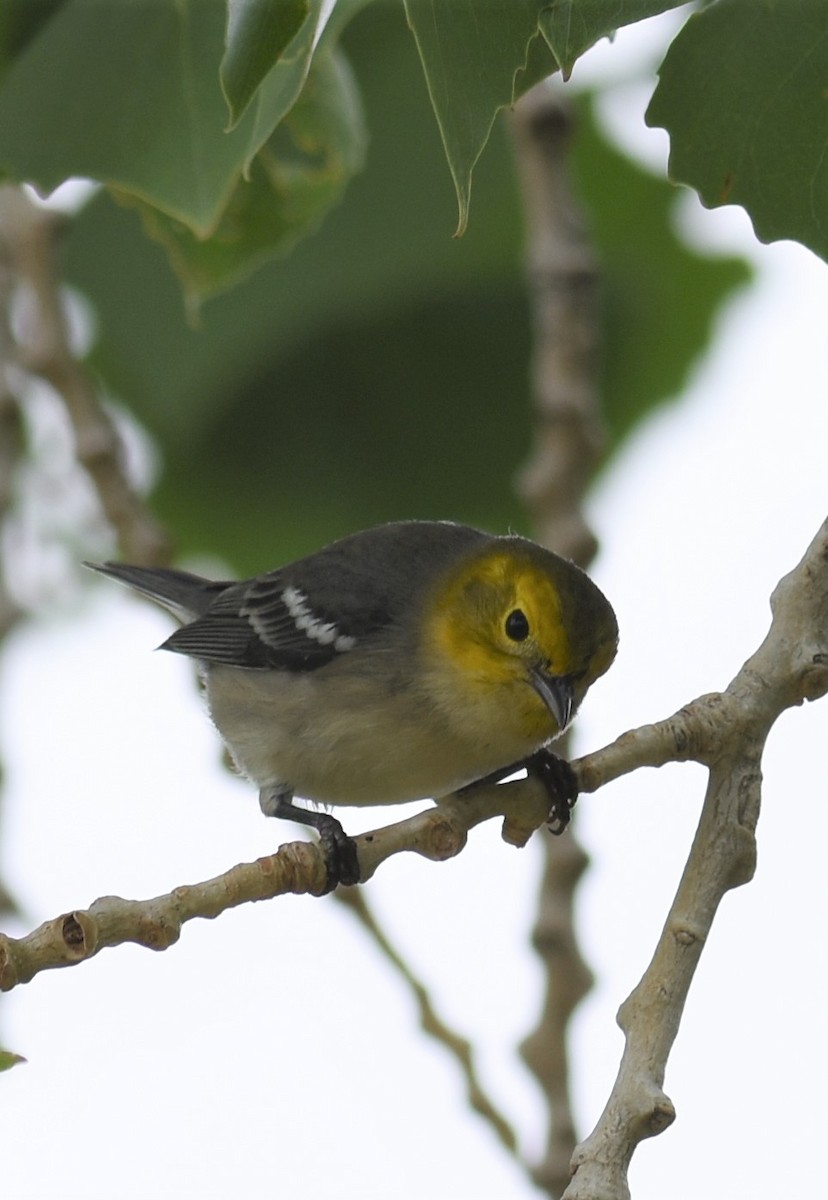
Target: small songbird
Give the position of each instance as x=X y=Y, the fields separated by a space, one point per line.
x=406 y=661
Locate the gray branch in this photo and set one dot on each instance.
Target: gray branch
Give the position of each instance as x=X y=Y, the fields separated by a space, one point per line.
x=727 y=733
x=563 y=278
x=298 y=867
x=29 y=237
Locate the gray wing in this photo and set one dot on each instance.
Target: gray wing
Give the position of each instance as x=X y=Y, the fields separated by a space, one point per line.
x=304 y=615
x=272 y=622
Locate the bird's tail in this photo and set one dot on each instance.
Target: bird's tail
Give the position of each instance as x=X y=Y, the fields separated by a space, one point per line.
x=186 y=596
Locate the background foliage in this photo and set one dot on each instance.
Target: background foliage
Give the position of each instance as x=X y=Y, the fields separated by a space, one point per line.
x=377 y=370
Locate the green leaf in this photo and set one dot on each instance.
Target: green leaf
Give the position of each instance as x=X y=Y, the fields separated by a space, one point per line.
x=379 y=371
x=20 y=21
x=480 y=57
x=258 y=34
x=128 y=94
x=339 y=17
x=283 y=83
x=572 y=26
x=473 y=56
x=295 y=179
x=9 y=1059
x=743 y=93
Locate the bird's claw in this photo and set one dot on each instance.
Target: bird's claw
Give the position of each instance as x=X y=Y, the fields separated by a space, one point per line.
x=561 y=785
x=338 y=850
x=340 y=853
x=557 y=777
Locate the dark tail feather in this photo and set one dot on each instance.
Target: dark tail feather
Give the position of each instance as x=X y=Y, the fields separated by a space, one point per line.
x=185 y=595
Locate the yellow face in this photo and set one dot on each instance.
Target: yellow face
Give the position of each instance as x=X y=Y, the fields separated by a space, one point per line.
x=527 y=629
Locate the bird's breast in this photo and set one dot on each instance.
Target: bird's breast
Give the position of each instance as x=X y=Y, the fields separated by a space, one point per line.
x=339 y=739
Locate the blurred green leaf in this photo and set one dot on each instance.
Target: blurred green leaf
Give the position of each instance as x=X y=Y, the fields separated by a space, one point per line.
x=293 y=182
x=258 y=34
x=8 y=1059
x=338 y=18
x=20 y=21
x=742 y=93
x=283 y=84
x=572 y=26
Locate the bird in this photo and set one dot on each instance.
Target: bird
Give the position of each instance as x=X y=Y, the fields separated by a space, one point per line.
x=411 y=660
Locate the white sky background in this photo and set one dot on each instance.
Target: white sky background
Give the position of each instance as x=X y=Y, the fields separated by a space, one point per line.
x=272 y=1053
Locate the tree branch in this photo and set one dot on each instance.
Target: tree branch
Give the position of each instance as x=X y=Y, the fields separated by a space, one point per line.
x=298 y=867
x=30 y=233
x=11 y=456
x=727 y=732
x=563 y=280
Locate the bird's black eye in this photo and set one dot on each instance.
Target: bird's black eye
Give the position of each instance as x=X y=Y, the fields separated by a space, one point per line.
x=517 y=626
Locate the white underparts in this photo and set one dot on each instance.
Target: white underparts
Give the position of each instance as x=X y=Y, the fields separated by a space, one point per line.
x=323 y=632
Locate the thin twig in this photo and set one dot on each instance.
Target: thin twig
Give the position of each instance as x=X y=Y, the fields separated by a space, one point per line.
x=11 y=429
x=28 y=240
x=432 y=1024
x=44 y=349
x=11 y=454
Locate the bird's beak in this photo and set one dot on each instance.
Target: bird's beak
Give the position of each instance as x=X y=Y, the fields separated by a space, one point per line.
x=557 y=693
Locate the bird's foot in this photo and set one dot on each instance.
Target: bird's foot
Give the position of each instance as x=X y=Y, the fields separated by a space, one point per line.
x=339 y=850
x=561 y=785
x=555 y=774
x=340 y=853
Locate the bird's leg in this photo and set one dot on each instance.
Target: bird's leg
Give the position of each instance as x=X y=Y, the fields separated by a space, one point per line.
x=555 y=774
x=339 y=849
x=493 y=777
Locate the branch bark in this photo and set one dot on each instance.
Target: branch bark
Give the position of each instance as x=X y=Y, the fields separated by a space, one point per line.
x=727 y=732
x=563 y=280
x=11 y=456
x=30 y=235
x=298 y=867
